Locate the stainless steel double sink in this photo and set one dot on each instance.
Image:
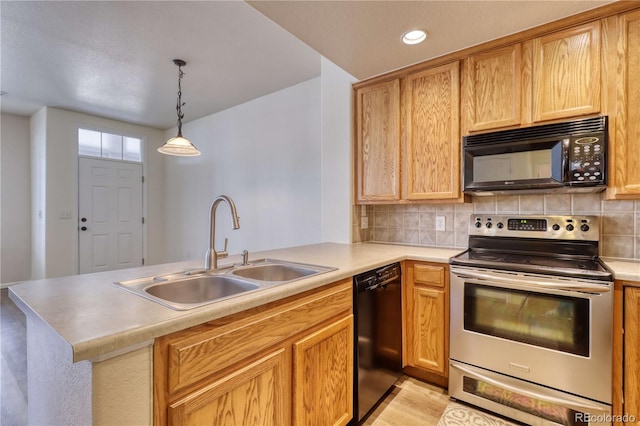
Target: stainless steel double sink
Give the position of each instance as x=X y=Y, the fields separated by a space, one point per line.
x=192 y=289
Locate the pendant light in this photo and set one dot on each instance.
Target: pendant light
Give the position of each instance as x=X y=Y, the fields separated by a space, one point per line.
x=179 y=145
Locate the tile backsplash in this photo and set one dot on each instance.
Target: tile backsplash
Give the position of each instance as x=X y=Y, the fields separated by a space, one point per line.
x=415 y=224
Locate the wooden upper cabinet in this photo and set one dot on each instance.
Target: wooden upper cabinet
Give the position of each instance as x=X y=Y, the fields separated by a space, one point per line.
x=378 y=142
x=566 y=73
x=625 y=151
x=492 y=88
x=431 y=134
x=556 y=76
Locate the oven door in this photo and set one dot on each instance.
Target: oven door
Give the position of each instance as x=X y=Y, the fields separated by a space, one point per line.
x=523 y=401
x=553 y=331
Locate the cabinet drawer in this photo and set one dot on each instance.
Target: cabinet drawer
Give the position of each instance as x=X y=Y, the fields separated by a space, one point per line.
x=429 y=274
x=214 y=346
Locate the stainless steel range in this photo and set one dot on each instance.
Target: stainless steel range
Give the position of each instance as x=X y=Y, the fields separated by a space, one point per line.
x=531 y=320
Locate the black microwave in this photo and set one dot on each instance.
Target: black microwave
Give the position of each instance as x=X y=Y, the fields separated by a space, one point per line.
x=560 y=157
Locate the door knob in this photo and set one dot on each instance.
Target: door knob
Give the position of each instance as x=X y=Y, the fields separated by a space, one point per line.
x=84 y=228
x=84 y=219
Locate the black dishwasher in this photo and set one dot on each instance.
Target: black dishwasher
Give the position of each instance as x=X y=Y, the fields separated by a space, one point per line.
x=378 y=341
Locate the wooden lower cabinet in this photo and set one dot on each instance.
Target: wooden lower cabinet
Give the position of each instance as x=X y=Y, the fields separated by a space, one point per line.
x=632 y=353
x=250 y=396
x=323 y=365
x=288 y=362
x=426 y=321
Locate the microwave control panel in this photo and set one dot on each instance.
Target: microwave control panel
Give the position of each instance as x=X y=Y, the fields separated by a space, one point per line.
x=586 y=159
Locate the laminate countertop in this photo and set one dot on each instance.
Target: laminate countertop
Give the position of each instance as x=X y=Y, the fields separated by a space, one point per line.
x=96 y=318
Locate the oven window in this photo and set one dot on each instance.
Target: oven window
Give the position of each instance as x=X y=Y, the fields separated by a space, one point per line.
x=546 y=410
x=544 y=320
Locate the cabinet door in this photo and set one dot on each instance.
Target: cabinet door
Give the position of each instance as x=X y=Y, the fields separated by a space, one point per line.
x=254 y=395
x=428 y=346
x=632 y=351
x=625 y=171
x=431 y=133
x=566 y=73
x=323 y=376
x=378 y=142
x=492 y=88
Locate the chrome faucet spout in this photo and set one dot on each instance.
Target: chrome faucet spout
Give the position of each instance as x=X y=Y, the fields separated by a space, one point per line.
x=211 y=259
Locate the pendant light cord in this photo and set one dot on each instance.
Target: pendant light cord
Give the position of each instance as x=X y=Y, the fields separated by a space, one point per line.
x=180 y=104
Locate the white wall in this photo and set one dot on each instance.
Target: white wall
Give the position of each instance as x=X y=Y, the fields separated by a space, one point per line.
x=266 y=155
x=38 y=127
x=15 y=205
x=337 y=153
x=54 y=188
x=284 y=158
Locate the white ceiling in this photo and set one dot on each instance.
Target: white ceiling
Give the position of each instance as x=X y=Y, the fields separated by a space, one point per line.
x=114 y=58
x=363 y=37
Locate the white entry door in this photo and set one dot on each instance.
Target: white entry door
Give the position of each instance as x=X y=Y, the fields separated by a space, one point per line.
x=109 y=215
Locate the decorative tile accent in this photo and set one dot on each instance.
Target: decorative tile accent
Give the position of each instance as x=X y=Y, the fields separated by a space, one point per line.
x=506 y=204
x=411 y=236
x=557 y=203
x=428 y=220
x=533 y=204
x=445 y=238
x=617 y=223
x=396 y=219
x=411 y=220
x=586 y=203
x=617 y=246
x=427 y=237
x=616 y=206
x=484 y=204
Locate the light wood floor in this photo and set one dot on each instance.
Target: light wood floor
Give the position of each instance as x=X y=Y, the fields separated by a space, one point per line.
x=411 y=402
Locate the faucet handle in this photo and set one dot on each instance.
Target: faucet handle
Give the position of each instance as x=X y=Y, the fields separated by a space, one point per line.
x=224 y=253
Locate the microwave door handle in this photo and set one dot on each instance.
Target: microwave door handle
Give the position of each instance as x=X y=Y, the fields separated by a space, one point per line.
x=574 y=405
x=523 y=281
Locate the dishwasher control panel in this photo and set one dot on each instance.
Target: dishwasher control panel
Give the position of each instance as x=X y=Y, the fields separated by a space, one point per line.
x=378 y=277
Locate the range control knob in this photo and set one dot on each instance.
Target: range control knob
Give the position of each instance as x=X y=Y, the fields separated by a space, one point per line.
x=584 y=227
x=555 y=227
x=489 y=225
x=569 y=227
x=500 y=225
x=478 y=225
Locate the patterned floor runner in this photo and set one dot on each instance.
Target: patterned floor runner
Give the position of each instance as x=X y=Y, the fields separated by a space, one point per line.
x=457 y=414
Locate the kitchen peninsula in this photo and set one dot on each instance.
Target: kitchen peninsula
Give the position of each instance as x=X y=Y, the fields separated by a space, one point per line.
x=93 y=342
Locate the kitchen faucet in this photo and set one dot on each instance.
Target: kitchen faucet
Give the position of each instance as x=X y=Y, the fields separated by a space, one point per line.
x=211 y=259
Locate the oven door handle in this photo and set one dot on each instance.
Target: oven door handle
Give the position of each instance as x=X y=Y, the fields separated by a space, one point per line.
x=583 y=407
x=522 y=280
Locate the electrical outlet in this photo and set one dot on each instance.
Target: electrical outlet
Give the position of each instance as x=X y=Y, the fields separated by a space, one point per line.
x=441 y=223
x=65 y=214
x=364 y=222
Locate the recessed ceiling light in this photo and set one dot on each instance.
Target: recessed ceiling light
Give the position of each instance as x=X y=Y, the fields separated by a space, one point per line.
x=414 y=37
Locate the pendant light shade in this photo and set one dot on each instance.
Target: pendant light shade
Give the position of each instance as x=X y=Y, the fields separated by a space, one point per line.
x=179 y=145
